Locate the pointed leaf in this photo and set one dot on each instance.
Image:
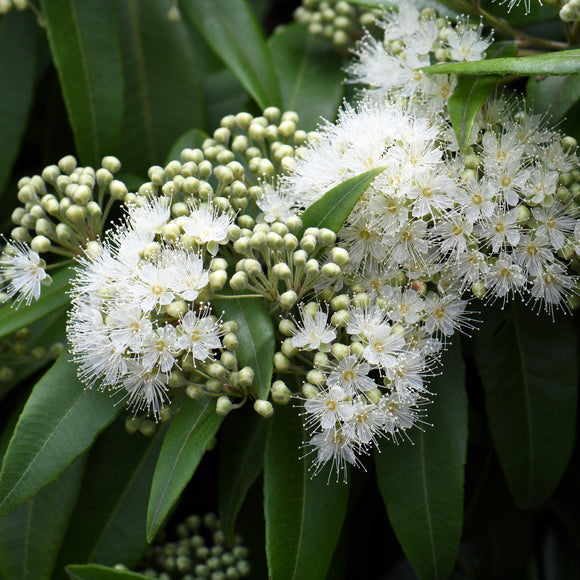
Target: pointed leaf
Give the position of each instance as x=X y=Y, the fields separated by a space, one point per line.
x=310 y=74
x=553 y=95
x=108 y=525
x=18 y=41
x=529 y=369
x=422 y=482
x=255 y=335
x=190 y=434
x=84 y=42
x=163 y=92
x=565 y=62
x=97 y=572
x=470 y=94
x=30 y=537
x=230 y=28
x=304 y=514
x=192 y=139
x=59 y=422
x=241 y=462
x=334 y=207
x=53 y=298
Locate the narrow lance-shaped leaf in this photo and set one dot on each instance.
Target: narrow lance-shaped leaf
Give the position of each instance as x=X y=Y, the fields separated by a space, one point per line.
x=60 y=421
x=191 y=139
x=334 y=207
x=96 y=572
x=230 y=28
x=529 y=369
x=422 y=481
x=304 y=513
x=190 y=434
x=84 y=42
x=556 y=95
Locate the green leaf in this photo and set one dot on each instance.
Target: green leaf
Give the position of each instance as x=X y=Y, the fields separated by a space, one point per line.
x=108 y=525
x=255 y=335
x=310 y=74
x=59 y=422
x=96 y=572
x=565 y=62
x=304 y=513
x=470 y=94
x=163 y=91
x=192 y=139
x=84 y=42
x=190 y=434
x=224 y=94
x=553 y=95
x=53 y=298
x=230 y=28
x=241 y=462
x=529 y=369
x=422 y=482
x=18 y=42
x=334 y=207
x=30 y=536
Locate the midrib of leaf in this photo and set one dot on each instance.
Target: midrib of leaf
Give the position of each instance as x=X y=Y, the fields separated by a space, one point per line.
x=301 y=71
x=252 y=343
x=303 y=511
x=42 y=447
x=427 y=508
x=86 y=76
x=30 y=508
x=142 y=76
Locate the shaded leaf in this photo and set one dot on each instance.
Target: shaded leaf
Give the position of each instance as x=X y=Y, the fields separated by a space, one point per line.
x=422 y=482
x=241 y=462
x=224 y=94
x=192 y=139
x=59 y=422
x=255 y=335
x=190 y=434
x=334 y=207
x=304 y=514
x=163 y=92
x=97 y=572
x=84 y=43
x=555 y=95
x=528 y=367
x=230 y=28
x=310 y=74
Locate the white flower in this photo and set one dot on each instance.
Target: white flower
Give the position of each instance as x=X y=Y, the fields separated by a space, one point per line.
x=207 y=226
x=446 y=314
x=383 y=347
x=336 y=447
x=328 y=408
x=351 y=375
x=199 y=334
x=314 y=333
x=466 y=43
x=159 y=349
x=150 y=217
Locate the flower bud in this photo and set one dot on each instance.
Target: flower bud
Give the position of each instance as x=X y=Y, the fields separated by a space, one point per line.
x=176 y=309
x=340 y=256
x=309 y=391
x=299 y=258
x=40 y=244
x=263 y=408
x=218 y=279
x=340 y=318
x=223 y=406
x=312 y=267
x=331 y=271
x=194 y=392
x=246 y=377
x=281 y=362
x=230 y=341
x=44 y=227
x=281 y=394
x=288 y=348
x=217 y=371
x=67 y=164
x=282 y=271
x=287 y=327
x=288 y=299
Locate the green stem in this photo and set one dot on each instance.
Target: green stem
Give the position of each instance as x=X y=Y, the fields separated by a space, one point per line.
x=235 y=297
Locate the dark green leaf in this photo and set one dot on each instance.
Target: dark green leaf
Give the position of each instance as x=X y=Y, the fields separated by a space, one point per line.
x=224 y=94
x=422 y=482
x=241 y=461
x=190 y=434
x=108 y=525
x=310 y=74
x=255 y=335
x=334 y=207
x=59 y=422
x=565 y=62
x=163 y=91
x=459 y=5
x=470 y=94
x=230 y=28
x=192 y=139
x=53 y=298
x=84 y=43
x=529 y=369
x=30 y=536
x=96 y=572
x=554 y=95
x=304 y=513
x=18 y=40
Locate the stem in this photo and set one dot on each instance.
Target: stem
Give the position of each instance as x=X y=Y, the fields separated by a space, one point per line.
x=235 y=297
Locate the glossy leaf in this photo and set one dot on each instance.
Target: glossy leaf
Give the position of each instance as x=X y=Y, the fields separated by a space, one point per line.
x=163 y=92
x=84 y=43
x=422 y=481
x=470 y=94
x=565 y=62
x=230 y=28
x=190 y=434
x=18 y=42
x=304 y=513
x=553 y=95
x=53 y=298
x=30 y=536
x=334 y=207
x=108 y=525
x=192 y=139
x=241 y=462
x=59 y=422
x=310 y=74
x=224 y=94
x=529 y=369
x=97 y=572
x=255 y=335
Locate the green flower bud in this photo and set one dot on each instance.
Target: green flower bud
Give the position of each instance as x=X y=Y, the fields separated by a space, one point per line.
x=281 y=362
x=309 y=391
x=194 y=392
x=288 y=299
x=217 y=371
x=258 y=241
x=230 y=341
x=281 y=394
x=321 y=360
x=20 y=234
x=231 y=326
x=263 y=408
x=288 y=348
x=229 y=360
x=282 y=271
x=287 y=327
x=147 y=428
x=299 y=258
x=308 y=243
x=44 y=227
x=217 y=280
x=356 y=348
x=246 y=377
x=40 y=244
x=331 y=271
x=223 y=406
x=274 y=241
x=312 y=267
x=176 y=309
x=94 y=209
x=67 y=164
